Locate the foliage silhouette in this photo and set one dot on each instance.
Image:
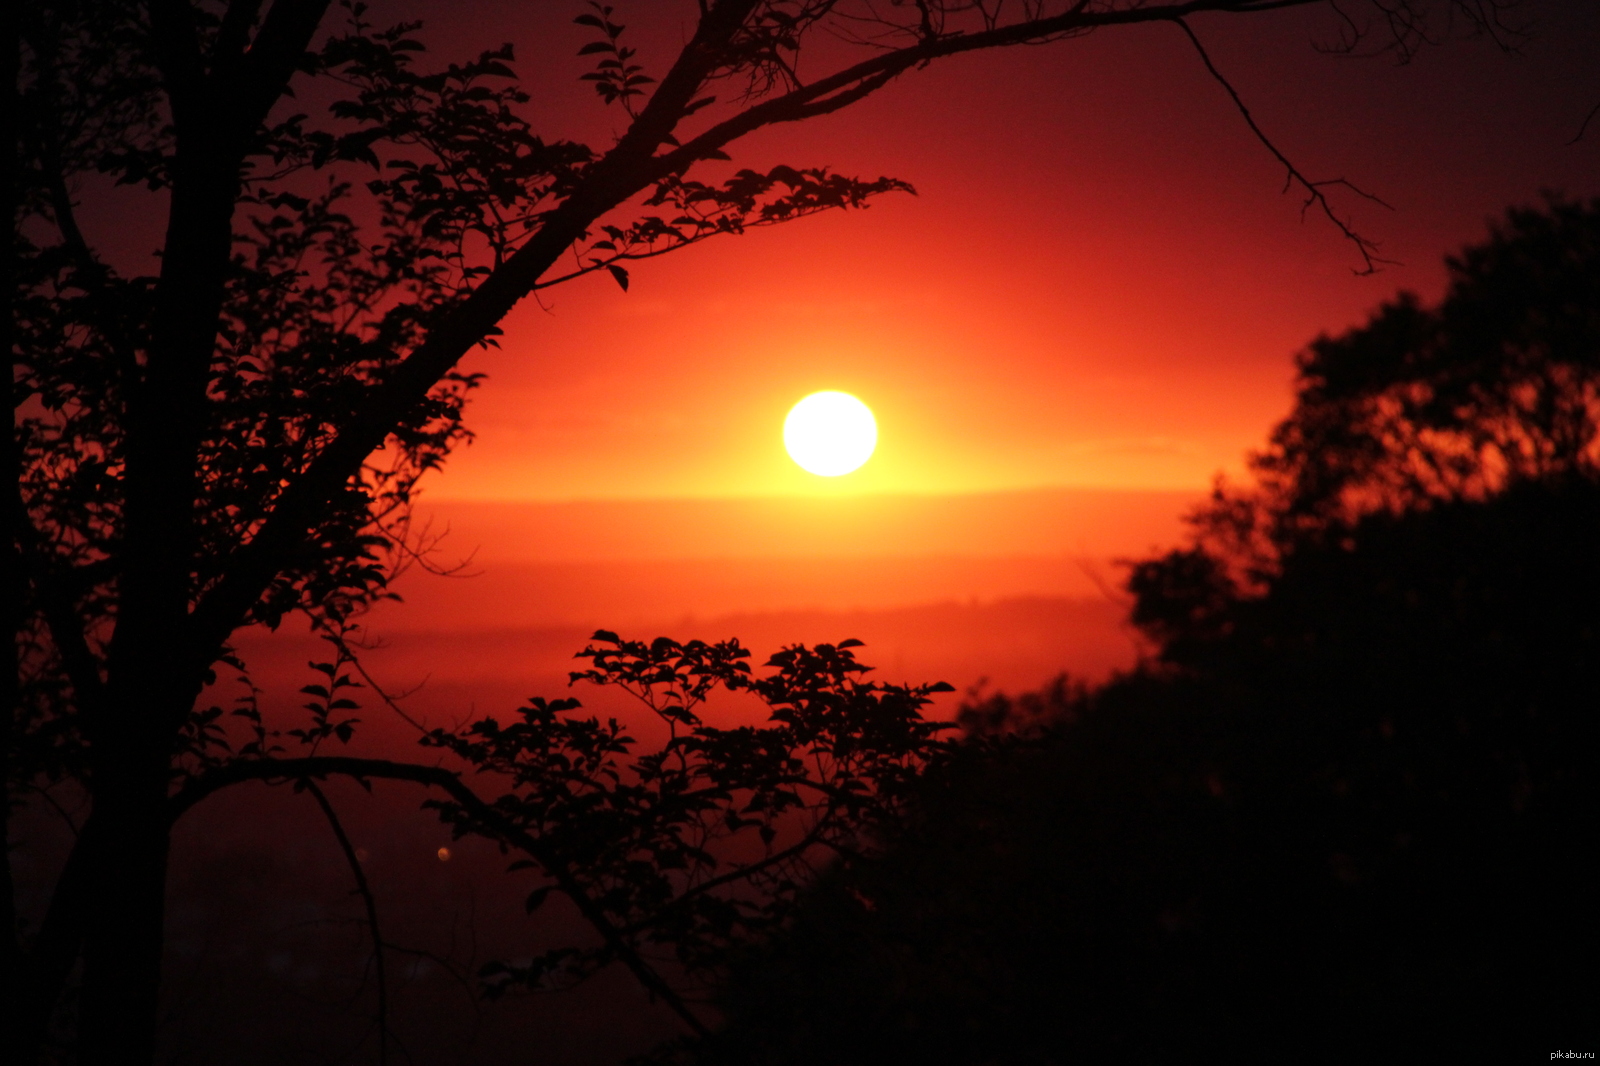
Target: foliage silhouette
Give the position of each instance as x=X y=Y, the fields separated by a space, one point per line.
x=237 y=436
x=1497 y=385
x=696 y=846
x=1343 y=811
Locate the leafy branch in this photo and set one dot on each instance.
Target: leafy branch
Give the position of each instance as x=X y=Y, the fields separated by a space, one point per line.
x=616 y=78
x=648 y=844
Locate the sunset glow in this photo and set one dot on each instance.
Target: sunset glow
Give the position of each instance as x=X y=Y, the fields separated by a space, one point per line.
x=468 y=415
x=830 y=433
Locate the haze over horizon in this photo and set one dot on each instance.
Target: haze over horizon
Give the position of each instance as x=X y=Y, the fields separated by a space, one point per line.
x=1005 y=588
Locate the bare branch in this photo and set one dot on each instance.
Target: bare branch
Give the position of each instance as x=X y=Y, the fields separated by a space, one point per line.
x=44 y=793
x=322 y=766
x=390 y=700
x=814 y=99
x=258 y=79
x=1583 y=126
x=371 y=903
x=1315 y=195
x=49 y=959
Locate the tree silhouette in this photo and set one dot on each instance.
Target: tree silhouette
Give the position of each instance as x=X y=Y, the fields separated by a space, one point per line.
x=1342 y=809
x=654 y=849
x=1495 y=388
x=238 y=436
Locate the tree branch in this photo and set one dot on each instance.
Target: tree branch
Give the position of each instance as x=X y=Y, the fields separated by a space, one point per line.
x=498 y=824
x=1583 y=127
x=257 y=80
x=66 y=220
x=46 y=47
x=811 y=839
x=622 y=172
x=48 y=961
x=365 y=892
x=233 y=36
x=177 y=55
x=798 y=104
x=392 y=701
x=1314 y=189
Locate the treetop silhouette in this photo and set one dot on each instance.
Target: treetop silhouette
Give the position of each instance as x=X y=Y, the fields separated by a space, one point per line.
x=1496 y=386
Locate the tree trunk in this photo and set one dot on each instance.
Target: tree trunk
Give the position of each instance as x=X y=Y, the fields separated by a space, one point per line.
x=127 y=903
x=128 y=833
x=11 y=982
x=152 y=662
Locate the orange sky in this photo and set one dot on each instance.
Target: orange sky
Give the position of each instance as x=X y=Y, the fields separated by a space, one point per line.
x=1098 y=285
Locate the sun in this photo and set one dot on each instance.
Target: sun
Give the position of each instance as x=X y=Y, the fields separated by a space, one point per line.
x=830 y=433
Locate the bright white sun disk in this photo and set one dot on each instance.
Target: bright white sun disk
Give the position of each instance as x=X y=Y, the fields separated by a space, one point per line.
x=830 y=433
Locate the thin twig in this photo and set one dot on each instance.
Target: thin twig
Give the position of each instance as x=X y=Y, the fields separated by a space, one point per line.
x=365 y=892
x=1584 y=126
x=498 y=824
x=748 y=872
x=1315 y=196
x=390 y=700
x=55 y=805
x=1122 y=603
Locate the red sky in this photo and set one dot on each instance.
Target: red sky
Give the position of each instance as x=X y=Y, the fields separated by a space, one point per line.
x=1090 y=308
x=1099 y=283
